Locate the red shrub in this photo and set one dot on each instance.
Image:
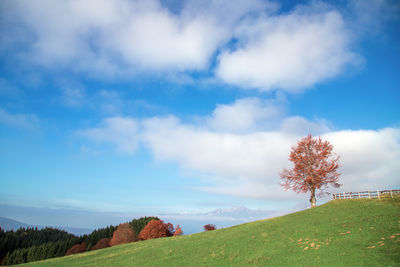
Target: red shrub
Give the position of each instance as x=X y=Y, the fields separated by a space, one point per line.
x=178 y=231
x=156 y=229
x=209 y=227
x=78 y=248
x=102 y=243
x=123 y=234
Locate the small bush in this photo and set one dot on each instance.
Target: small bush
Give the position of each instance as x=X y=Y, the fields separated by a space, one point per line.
x=178 y=231
x=209 y=227
x=78 y=248
x=103 y=243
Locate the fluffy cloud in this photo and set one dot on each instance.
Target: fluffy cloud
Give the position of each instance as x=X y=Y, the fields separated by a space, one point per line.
x=256 y=46
x=247 y=164
x=292 y=51
x=111 y=37
x=246 y=115
x=370 y=159
x=122 y=132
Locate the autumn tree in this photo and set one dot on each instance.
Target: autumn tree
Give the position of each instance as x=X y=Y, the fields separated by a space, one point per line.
x=123 y=234
x=315 y=168
x=156 y=229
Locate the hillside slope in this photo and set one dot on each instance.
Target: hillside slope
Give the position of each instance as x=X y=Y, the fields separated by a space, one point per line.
x=339 y=233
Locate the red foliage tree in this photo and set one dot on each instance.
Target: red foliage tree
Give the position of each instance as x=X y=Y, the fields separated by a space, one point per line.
x=156 y=229
x=178 y=231
x=102 y=243
x=123 y=234
x=315 y=168
x=209 y=227
x=78 y=248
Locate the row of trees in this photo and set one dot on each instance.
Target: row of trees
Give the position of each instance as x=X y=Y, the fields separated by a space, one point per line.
x=31 y=244
x=33 y=253
x=25 y=238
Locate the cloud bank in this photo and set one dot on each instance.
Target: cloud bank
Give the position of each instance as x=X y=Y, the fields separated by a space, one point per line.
x=247 y=163
x=250 y=44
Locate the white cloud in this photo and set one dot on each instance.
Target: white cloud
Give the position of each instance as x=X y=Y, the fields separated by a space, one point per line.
x=291 y=52
x=120 y=37
x=370 y=159
x=120 y=131
x=256 y=46
x=247 y=164
x=20 y=120
x=246 y=115
x=224 y=154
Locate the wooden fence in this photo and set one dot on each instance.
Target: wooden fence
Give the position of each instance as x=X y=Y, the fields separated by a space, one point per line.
x=367 y=194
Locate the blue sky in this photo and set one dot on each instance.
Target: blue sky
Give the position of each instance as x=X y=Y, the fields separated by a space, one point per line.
x=166 y=107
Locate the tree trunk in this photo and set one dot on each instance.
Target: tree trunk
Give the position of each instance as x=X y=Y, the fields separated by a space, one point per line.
x=313 y=200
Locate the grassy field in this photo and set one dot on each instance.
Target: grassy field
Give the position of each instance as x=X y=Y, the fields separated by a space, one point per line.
x=339 y=233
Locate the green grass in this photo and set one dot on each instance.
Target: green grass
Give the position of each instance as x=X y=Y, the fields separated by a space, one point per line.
x=339 y=233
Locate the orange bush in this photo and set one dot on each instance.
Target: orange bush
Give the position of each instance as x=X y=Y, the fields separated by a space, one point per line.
x=123 y=234
x=78 y=248
x=178 y=231
x=156 y=229
x=102 y=243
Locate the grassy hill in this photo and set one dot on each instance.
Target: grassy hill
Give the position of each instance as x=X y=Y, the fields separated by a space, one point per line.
x=339 y=233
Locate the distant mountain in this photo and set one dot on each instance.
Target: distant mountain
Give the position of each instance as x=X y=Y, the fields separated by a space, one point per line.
x=241 y=212
x=10 y=224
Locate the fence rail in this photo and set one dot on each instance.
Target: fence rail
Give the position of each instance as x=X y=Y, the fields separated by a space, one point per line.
x=367 y=194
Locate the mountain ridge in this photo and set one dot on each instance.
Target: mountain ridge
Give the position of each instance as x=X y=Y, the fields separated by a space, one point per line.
x=11 y=224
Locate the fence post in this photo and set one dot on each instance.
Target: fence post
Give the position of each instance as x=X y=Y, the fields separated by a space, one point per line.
x=391 y=195
x=377 y=191
x=369 y=194
x=359 y=196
